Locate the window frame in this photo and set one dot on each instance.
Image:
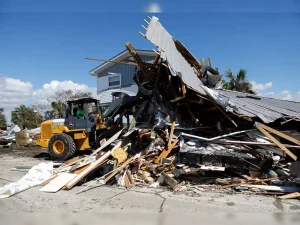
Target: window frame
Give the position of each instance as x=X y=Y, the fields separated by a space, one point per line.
x=114 y=75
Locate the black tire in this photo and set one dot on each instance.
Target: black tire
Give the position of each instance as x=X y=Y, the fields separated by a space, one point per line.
x=69 y=147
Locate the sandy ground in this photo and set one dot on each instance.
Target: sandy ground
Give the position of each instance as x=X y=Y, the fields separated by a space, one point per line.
x=113 y=199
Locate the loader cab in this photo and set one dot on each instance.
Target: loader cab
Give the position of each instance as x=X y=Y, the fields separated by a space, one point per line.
x=88 y=117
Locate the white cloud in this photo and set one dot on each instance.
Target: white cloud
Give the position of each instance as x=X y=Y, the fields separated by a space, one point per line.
x=153 y=8
x=284 y=95
x=261 y=87
x=13 y=92
x=49 y=89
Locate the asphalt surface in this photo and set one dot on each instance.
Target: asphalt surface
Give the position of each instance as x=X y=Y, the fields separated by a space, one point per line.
x=139 y=199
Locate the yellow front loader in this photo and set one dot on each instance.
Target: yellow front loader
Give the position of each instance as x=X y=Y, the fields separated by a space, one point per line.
x=63 y=137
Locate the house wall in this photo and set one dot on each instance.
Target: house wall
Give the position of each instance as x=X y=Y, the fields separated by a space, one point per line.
x=126 y=72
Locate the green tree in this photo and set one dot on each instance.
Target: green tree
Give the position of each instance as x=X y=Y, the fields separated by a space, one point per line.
x=238 y=82
x=2 y=118
x=26 y=116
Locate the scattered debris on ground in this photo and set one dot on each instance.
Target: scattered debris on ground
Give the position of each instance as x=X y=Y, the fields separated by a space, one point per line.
x=189 y=135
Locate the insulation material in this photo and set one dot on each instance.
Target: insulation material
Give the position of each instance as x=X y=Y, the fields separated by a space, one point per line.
x=35 y=176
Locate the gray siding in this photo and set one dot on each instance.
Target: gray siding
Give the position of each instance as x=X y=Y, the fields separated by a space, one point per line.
x=126 y=71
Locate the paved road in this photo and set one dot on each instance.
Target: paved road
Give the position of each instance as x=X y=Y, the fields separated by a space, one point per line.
x=113 y=199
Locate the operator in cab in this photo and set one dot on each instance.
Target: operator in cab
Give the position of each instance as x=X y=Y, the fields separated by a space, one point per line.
x=80 y=111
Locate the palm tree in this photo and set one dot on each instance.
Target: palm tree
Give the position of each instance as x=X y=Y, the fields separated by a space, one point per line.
x=238 y=82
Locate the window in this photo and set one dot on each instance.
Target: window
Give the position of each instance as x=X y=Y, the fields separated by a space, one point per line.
x=114 y=80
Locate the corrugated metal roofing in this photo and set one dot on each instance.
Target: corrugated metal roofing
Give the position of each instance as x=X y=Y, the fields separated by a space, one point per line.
x=160 y=37
x=106 y=97
x=267 y=109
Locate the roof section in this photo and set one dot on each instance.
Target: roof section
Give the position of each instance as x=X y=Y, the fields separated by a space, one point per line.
x=121 y=56
x=178 y=65
x=267 y=109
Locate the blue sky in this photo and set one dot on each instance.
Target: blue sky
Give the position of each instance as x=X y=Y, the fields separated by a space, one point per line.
x=41 y=42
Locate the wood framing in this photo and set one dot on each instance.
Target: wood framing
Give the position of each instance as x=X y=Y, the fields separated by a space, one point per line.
x=275 y=141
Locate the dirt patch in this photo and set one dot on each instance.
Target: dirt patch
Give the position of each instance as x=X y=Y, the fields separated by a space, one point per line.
x=31 y=152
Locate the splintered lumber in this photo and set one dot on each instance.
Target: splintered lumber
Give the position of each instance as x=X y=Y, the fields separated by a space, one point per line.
x=292 y=195
x=118 y=170
x=103 y=60
x=128 y=179
x=274 y=140
x=108 y=142
x=215 y=138
x=166 y=152
x=280 y=134
x=249 y=181
x=165 y=178
x=92 y=166
x=80 y=169
x=47 y=181
x=225 y=114
x=171 y=135
x=70 y=163
x=138 y=60
x=57 y=183
x=253 y=143
x=273 y=188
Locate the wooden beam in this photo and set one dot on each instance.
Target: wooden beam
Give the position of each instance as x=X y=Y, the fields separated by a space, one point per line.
x=248 y=182
x=157 y=57
x=225 y=114
x=166 y=152
x=292 y=195
x=280 y=134
x=138 y=60
x=274 y=140
x=118 y=170
x=103 y=60
x=92 y=166
x=171 y=135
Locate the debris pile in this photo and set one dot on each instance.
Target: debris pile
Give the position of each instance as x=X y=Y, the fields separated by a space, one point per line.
x=21 y=137
x=189 y=135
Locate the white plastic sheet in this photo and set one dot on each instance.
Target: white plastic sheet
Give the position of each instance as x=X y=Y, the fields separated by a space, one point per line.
x=35 y=176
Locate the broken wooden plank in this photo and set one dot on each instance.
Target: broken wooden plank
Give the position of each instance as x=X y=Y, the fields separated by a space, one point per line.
x=117 y=62
x=248 y=182
x=290 y=196
x=138 y=60
x=272 y=188
x=253 y=143
x=171 y=135
x=57 y=183
x=165 y=178
x=280 y=134
x=275 y=141
x=47 y=181
x=166 y=152
x=92 y=166
x=107 y=143
x=79 y=170
x=118 y=170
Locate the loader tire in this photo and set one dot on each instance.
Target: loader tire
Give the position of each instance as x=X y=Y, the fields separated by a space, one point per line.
x=61 y=147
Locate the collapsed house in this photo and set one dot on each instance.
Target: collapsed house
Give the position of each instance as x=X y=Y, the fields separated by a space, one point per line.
x=186 y=129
